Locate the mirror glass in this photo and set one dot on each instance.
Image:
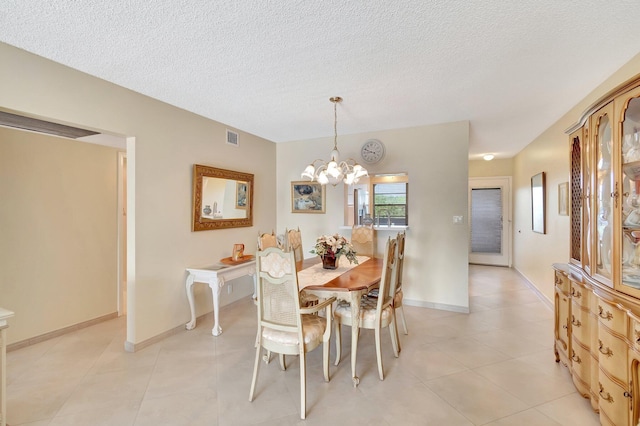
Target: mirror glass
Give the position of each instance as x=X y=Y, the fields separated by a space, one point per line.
x=221 y=198
x=537 y=203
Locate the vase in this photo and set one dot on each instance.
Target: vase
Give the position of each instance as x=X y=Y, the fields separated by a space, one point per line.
x=329 y=260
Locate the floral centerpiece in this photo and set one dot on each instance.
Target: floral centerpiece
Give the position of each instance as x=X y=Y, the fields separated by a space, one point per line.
x=331 y=247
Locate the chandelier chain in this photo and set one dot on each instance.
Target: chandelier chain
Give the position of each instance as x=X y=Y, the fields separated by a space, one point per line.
x=335 y=100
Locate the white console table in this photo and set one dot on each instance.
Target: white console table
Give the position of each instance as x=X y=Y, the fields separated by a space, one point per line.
x=4 y=315
x=216 y=276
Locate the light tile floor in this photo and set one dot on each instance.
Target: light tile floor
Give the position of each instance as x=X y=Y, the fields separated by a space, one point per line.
x=494 y=366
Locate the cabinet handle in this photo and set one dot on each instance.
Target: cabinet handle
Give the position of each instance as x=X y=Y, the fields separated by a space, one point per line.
x=576 y=293
x=607 y=351
x=615 y=195
x=575 y=322
x=558 y=280
x=575 y=357
x=637 y=336
x=608 y=316
x=607 y=398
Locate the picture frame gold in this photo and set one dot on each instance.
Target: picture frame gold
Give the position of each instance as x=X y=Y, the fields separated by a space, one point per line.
x=208 y=210
x=307 y=197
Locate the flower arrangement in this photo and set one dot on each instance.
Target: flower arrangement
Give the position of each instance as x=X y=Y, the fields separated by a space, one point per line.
x=335 y=244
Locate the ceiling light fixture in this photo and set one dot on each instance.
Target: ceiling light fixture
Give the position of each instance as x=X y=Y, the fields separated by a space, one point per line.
x=489 y=157
x=335 y=171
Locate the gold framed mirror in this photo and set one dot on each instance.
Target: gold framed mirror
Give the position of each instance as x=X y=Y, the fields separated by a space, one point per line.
x=221 y=198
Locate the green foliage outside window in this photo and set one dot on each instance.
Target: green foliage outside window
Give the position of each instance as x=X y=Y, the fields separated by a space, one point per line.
x=390 y=199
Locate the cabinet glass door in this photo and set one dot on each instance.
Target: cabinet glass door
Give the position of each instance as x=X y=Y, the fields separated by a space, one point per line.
x=604 y=194
x=587 y=205
x=630 y=205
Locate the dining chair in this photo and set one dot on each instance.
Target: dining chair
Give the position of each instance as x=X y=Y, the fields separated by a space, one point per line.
x=293 y=242
x=363 y=240
x=397 y=299
x=264 y=242
x=293 y=239
x=375 y=312
x=284 y=326
x=267 y=240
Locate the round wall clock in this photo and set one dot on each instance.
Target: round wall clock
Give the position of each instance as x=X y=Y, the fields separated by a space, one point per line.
x=372 y=151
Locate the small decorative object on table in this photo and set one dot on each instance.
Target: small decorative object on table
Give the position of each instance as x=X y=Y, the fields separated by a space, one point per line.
x=331 y=247
x=238 y=252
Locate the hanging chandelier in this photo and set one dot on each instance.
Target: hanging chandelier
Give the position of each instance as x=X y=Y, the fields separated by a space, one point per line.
x=335 y=171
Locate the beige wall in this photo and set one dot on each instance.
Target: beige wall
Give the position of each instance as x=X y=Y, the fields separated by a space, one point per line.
x=549 y=153
x=168 y=141
x=482 y=168
x=58 y=246
x=436 y=159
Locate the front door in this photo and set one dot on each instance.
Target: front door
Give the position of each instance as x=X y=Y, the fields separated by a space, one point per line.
x=490 y=221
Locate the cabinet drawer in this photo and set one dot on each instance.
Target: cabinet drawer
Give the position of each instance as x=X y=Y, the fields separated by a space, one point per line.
x=579 y=294
x=612 y=354
x=562 y=282
x=581 y=368
x=612 y=317
x=580 y=324
x=614 y=403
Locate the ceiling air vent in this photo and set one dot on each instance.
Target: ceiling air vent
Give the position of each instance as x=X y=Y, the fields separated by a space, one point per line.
x=232 y=138
x=41 y=126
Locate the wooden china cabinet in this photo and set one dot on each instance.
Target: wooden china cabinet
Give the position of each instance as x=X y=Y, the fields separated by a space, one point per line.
x=597 y=294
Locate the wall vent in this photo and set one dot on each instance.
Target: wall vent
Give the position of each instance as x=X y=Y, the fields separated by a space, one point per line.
x=232 y=138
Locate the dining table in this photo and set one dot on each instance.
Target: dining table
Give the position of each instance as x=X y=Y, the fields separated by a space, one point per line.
x=349 y=282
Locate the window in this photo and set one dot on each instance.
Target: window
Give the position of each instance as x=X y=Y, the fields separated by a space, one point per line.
x=390 y=203
x=379 y=199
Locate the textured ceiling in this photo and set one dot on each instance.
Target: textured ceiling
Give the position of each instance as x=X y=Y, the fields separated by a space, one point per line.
x=511 y=68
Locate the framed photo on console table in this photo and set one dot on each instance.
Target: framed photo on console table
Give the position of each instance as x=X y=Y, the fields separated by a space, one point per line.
x=307 y=197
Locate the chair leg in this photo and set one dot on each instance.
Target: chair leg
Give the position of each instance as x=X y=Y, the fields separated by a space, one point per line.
x=397 y=336
x=326 y=345
x=404 y=321
x=338 y=340
x=303 y=385
x=393 y=331
x=379 y=352
x=283 y=366
x=256 y=367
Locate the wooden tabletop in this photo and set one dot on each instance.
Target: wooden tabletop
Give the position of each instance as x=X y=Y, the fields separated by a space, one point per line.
x=363 y=276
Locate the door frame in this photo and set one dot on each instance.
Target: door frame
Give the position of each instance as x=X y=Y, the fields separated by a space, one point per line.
x=503 y=182
x=122 y=233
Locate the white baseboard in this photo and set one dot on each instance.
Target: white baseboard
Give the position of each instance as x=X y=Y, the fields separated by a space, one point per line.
x=60 y=332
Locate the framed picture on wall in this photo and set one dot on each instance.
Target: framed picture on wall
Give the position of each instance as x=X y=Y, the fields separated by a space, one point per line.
x=307 y=197
x=563 y=199
x=538 y=203
x=241 y=195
